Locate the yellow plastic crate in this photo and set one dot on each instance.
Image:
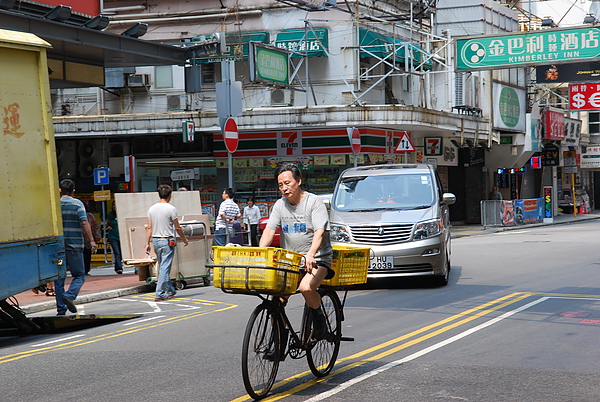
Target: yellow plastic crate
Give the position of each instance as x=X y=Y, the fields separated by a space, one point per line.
x=350 y=264
x=256 y=269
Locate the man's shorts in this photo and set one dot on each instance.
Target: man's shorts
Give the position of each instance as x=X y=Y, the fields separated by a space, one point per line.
x=330 y=272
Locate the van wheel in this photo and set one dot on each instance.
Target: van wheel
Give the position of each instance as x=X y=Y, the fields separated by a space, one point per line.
x=442 y=280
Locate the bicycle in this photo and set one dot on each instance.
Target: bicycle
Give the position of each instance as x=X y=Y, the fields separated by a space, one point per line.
x=262 y=349
x=237 y=271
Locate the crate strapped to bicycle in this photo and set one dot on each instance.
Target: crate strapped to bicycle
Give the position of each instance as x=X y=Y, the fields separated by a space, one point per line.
x=271 y=270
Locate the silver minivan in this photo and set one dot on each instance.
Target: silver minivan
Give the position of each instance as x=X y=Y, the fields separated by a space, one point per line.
x=401 y=212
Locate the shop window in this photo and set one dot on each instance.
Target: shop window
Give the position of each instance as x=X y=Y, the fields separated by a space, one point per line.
x=594 y=123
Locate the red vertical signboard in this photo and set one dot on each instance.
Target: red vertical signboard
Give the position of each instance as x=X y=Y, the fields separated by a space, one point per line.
x=555 y=124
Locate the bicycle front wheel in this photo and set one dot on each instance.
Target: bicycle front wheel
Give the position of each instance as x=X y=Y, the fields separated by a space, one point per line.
x=259 y=363
x=322 y=356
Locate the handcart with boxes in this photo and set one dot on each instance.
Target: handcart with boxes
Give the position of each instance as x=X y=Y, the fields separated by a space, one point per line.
x=189 y=262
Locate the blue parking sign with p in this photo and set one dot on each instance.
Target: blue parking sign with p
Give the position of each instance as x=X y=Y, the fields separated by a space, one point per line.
x=101 y=176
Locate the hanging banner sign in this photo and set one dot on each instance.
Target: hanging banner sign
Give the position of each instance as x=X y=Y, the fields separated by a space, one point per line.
x=590 y=157
x=555 y=124
x=572 y=72
x=532 y=48
x=584 y=96
x=548 y=208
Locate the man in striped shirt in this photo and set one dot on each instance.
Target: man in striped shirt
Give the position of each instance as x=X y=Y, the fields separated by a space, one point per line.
x=228 y=211
x=75 y=225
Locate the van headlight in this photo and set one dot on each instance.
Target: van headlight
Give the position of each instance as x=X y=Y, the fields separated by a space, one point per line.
x=339 y=233
x=427 y=229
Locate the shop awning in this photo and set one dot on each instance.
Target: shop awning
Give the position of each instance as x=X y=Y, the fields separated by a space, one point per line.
x=237 y=46
x=299 y=40
x=374 y=44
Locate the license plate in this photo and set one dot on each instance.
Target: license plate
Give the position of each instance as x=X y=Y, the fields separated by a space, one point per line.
x=382 y=262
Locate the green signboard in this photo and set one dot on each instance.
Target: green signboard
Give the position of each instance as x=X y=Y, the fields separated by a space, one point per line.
x=236 y=47
x=269 y=64
x=510 y=109
x=299 y=42
x=537 y=47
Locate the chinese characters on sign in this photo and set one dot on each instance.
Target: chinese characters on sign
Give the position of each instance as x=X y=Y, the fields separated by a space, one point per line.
x=590 y=157
x=555 y=124
x=584 y=96
x=530 y=48
x=11 y=120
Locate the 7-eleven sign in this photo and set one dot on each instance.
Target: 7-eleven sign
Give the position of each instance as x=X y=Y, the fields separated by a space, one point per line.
x=433 y=146
x=188 y=131
x=405 y=144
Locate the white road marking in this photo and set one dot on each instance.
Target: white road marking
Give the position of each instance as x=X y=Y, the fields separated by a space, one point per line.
x=144 y=320
x=423 y=352
x=56 y=340
x=155 y=305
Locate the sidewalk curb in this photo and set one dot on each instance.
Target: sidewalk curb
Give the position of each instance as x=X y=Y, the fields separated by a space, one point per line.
x=495 y=229
x=88 y=298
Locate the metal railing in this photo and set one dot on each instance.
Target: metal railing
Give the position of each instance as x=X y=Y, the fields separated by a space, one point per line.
x=510 y=213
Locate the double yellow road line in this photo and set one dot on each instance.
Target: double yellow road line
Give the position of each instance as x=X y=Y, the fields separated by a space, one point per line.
x=214 y=307
x=395 y=345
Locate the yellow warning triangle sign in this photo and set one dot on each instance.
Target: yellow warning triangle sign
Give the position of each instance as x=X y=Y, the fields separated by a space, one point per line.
x=404 y=145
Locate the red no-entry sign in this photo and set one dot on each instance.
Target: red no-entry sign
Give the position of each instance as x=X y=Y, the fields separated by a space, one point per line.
x=354 y=135
x=230 y=132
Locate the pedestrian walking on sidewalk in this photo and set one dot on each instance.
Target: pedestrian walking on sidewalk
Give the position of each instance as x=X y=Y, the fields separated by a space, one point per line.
x=87 y=247
x=75 y=227
x=112 y=234
x=495 y=195
x=162 y=224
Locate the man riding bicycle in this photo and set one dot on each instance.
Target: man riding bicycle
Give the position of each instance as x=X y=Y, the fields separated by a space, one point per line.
x=304 y=223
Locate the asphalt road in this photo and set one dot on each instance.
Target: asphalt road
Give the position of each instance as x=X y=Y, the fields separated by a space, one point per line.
x=519 y=321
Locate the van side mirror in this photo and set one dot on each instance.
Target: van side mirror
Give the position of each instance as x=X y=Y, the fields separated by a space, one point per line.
x=448 y=199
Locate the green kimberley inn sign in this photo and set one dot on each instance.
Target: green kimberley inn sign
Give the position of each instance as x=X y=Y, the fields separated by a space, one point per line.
x=518 y=50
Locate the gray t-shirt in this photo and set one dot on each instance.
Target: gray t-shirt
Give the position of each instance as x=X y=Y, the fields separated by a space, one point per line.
x=162 y=215
x=298 y=224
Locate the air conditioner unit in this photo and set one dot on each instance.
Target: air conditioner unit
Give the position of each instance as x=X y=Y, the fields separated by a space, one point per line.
x=138 y=80
x=91 y=155
x=467 y=90
x=176 y=102
x=281 y=97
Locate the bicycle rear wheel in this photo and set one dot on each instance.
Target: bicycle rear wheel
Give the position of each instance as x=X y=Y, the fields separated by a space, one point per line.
x=261 y=336
x=322 y=356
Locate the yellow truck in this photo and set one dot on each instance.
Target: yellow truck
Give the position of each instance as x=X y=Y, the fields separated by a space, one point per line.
x=31 y=241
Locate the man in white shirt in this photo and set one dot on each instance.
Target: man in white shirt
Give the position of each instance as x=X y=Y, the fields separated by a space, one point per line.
x=160 y=230
x=251 y=218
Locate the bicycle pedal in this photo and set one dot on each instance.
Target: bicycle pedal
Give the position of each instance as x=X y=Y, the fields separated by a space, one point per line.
x=347 y=339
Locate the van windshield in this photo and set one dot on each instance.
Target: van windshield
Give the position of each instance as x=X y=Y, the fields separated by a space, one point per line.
x=384 y=192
